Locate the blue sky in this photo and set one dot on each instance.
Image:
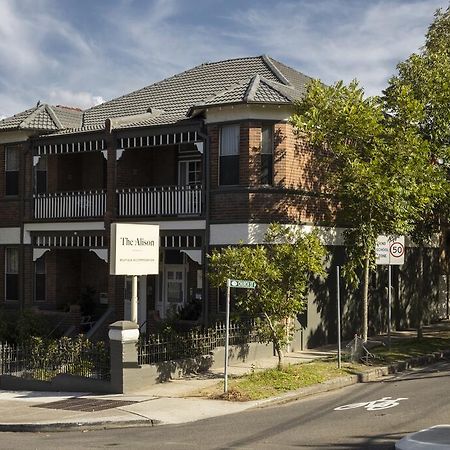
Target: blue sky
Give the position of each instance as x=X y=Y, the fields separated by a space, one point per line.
x=80 y=52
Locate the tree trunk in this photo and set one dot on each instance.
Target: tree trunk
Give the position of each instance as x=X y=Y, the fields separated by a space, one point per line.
x=279 y=353
x=366 y=297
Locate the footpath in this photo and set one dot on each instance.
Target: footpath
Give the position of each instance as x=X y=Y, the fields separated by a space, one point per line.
x=172 y=402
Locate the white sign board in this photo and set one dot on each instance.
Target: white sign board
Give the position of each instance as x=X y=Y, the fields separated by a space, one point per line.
x=390 y=250
x=134 y=249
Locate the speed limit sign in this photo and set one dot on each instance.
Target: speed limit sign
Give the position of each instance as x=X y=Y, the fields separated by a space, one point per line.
x=390 y=250
x=396 y=250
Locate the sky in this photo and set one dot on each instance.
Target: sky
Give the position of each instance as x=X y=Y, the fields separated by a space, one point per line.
x=83 y=52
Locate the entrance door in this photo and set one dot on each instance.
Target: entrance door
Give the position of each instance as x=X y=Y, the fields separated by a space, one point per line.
x=175 y=289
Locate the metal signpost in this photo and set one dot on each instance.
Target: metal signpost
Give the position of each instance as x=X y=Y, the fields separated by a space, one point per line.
x=240 y=284
x=390 y=251
x=338 y=314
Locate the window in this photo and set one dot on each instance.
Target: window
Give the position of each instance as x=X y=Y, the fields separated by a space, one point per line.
x=12 y=274
x=12 y=170
x=189 y=173
x=229 y=155
x=266 y=155
x=39 y=279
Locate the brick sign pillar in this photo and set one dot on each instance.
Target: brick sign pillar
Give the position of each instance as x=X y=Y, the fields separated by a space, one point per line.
x=123 y=337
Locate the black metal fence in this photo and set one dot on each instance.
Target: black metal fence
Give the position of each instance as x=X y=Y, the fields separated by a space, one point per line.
x=44 y=359
x=163 y=347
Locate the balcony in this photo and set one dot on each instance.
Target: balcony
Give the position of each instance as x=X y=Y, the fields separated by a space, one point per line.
x=160 y=201
x=132 y=202
x=70 y=205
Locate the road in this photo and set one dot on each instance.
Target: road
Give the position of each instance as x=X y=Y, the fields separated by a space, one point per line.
x=312 y=423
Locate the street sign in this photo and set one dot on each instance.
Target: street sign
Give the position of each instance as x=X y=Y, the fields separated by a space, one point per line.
x=243 y=284
x=390 y=250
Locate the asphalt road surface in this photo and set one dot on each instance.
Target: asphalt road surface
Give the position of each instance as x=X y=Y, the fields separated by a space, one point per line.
x=380 y=414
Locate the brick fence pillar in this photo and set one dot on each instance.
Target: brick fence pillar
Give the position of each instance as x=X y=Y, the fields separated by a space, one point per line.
x=123 y=336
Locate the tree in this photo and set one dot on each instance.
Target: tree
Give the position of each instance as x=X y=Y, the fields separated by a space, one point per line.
x=424 y=79
x=281 y=268
x=379 y=171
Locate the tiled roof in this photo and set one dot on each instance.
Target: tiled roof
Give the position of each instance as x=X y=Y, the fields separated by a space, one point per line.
x=253 y=90
x=254 y=79
x=43 y=117
x=177 y=94
x=296 y=79
x=13 y=122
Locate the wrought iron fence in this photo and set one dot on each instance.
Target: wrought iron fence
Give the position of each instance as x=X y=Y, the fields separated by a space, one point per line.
x=44 y=359
x=163 y=347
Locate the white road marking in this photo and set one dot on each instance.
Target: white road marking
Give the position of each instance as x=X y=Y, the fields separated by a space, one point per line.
x=374 y=405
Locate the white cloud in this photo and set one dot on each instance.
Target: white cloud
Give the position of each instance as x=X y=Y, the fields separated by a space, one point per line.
x=129 y=44
x=80 y=99
x=365 y=40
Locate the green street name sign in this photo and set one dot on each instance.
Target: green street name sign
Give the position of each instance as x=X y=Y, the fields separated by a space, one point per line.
x=243 y=284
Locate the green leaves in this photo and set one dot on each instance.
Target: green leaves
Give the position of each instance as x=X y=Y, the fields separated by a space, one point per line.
x=418 y=101
x=281 y=268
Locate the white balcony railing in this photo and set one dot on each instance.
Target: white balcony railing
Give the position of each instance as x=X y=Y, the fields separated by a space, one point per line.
x=62 y=205
x=160 y=201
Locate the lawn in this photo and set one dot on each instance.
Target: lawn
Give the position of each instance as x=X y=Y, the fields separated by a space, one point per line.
x=272 y=382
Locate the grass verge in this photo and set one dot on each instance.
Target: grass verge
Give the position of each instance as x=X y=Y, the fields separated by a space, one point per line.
x=272 y=382
x=404 y=349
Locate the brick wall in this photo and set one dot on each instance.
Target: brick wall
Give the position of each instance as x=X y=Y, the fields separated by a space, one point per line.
x=295 y=162
x=296 y=170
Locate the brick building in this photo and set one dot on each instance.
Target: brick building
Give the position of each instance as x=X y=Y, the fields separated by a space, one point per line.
x=207 y=154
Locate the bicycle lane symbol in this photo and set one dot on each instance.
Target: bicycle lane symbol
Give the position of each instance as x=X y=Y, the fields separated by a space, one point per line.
x=374 y=405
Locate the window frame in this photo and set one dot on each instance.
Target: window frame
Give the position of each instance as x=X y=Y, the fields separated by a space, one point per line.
x=12 y=175
x=267 y=157
x=8 y=274
x=235 y=162
x=186 y=172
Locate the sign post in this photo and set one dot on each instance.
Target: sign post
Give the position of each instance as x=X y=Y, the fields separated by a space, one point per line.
x=134 y=251
x=390 y=251
x=240 y=284
x=338 y=314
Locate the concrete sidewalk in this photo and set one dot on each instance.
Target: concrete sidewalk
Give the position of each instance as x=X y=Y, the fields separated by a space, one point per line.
x=172 y=402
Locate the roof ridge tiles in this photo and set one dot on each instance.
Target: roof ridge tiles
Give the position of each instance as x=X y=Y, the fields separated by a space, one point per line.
x=28 y=119
x=273 y=85
x=54 y=117
x=268 y=60
x=228 y=89
x=252 y=88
